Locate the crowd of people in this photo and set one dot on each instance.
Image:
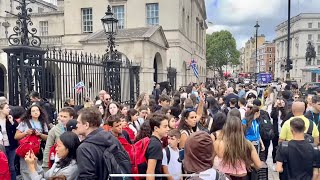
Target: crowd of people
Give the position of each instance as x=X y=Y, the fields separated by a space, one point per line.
x=204 y=131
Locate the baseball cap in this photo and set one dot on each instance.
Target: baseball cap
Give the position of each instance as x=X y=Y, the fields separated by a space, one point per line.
x=72 y=124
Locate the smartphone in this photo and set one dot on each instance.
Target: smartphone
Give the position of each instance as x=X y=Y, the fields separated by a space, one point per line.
x=181 y=155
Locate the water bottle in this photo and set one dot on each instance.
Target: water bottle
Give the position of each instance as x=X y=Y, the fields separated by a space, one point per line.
x=52 y=158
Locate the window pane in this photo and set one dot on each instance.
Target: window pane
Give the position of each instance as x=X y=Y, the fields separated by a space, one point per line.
x=152 y=14
x=119 y=14
x=87 y=20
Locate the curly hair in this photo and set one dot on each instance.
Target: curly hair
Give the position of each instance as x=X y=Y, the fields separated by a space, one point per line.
x=43 y=118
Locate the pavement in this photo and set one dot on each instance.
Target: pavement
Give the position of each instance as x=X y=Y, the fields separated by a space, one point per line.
x=272 y=175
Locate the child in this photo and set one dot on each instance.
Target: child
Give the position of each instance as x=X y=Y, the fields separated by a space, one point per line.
x=170 y=163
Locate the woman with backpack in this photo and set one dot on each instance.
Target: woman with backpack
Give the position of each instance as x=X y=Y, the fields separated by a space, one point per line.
x=8 y=127
x=66 y=166
x=252 y=129
x=132 y=119
x=234 y=154
x=33 y=122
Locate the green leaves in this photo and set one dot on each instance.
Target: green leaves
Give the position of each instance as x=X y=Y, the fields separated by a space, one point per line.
x=221 y=50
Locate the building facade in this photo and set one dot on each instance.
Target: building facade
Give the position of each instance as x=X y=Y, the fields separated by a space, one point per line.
x=266 y=57
x=240 y=67
x=305 y=28
x=154 y=34
x=249 y=51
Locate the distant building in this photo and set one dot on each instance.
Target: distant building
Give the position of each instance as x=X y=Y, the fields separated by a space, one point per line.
x=249 y=49
x=305 y=27
x=266 y=57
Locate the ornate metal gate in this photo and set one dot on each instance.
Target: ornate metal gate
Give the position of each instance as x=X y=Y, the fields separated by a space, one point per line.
x=58 y=74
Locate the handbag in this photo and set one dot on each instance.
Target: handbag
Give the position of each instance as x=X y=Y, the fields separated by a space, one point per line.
x=28 y=143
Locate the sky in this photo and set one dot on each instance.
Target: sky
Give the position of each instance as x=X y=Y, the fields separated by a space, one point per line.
x=240 y=16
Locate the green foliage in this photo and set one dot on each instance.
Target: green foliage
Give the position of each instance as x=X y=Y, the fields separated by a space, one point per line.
x=221 y=50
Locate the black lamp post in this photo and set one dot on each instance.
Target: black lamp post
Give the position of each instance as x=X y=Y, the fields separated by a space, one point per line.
x=112 y=71
x=256 y=68
x=110 y=25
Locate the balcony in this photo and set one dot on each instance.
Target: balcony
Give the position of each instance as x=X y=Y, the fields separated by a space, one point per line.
x=45 y=41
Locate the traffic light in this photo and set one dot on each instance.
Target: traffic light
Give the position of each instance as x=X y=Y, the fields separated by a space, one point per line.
x=289 y=65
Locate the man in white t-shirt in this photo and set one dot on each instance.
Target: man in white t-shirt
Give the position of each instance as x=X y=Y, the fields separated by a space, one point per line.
x=170 y=163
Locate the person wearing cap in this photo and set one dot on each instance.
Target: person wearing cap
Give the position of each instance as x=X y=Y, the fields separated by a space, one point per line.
x=72 y=126
x=65 y=115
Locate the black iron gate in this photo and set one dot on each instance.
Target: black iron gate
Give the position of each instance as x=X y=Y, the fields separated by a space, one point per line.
x=60 y=74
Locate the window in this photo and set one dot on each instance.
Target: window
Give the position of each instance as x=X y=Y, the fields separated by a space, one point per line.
x=183 y=20
x=43 y=28
x=318 y=49
x=40 y=10
x=188 y=24
x=318 y=37
x=309 y=25
x=270 y=49
x=270 y=55
x=153 y=14
x=309 y=37
x=119 y=14
x=87 y=20
x=319 y=25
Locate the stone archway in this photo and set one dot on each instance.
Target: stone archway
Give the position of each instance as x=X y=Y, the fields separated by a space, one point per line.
x=158 y=68
x=3 y=80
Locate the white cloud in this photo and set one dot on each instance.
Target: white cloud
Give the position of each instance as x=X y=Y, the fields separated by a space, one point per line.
x=215 y=28
x=237 y=11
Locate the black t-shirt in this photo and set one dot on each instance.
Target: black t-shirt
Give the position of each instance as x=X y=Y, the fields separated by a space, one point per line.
x=154 y=151
x=300 y=160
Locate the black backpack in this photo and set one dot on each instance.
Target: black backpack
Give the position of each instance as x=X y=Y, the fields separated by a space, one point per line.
x=308 y=136
x=117 y=161
x=284 y=153
x=266 y=127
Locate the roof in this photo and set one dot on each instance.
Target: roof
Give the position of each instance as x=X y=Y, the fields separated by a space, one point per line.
x=142 y=33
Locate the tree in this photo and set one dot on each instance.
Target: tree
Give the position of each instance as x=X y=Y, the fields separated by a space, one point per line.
x=221 y=50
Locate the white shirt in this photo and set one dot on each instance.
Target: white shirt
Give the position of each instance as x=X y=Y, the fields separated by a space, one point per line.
x=133 y=129
x=242 y=112
x=174 y=166
x=4 y=140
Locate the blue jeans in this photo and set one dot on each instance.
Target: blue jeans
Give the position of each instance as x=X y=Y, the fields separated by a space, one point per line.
x=11 y=154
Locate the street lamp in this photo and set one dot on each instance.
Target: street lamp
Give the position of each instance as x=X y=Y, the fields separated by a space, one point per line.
x=113 y=64
x=257 y=27
x=110 y=25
